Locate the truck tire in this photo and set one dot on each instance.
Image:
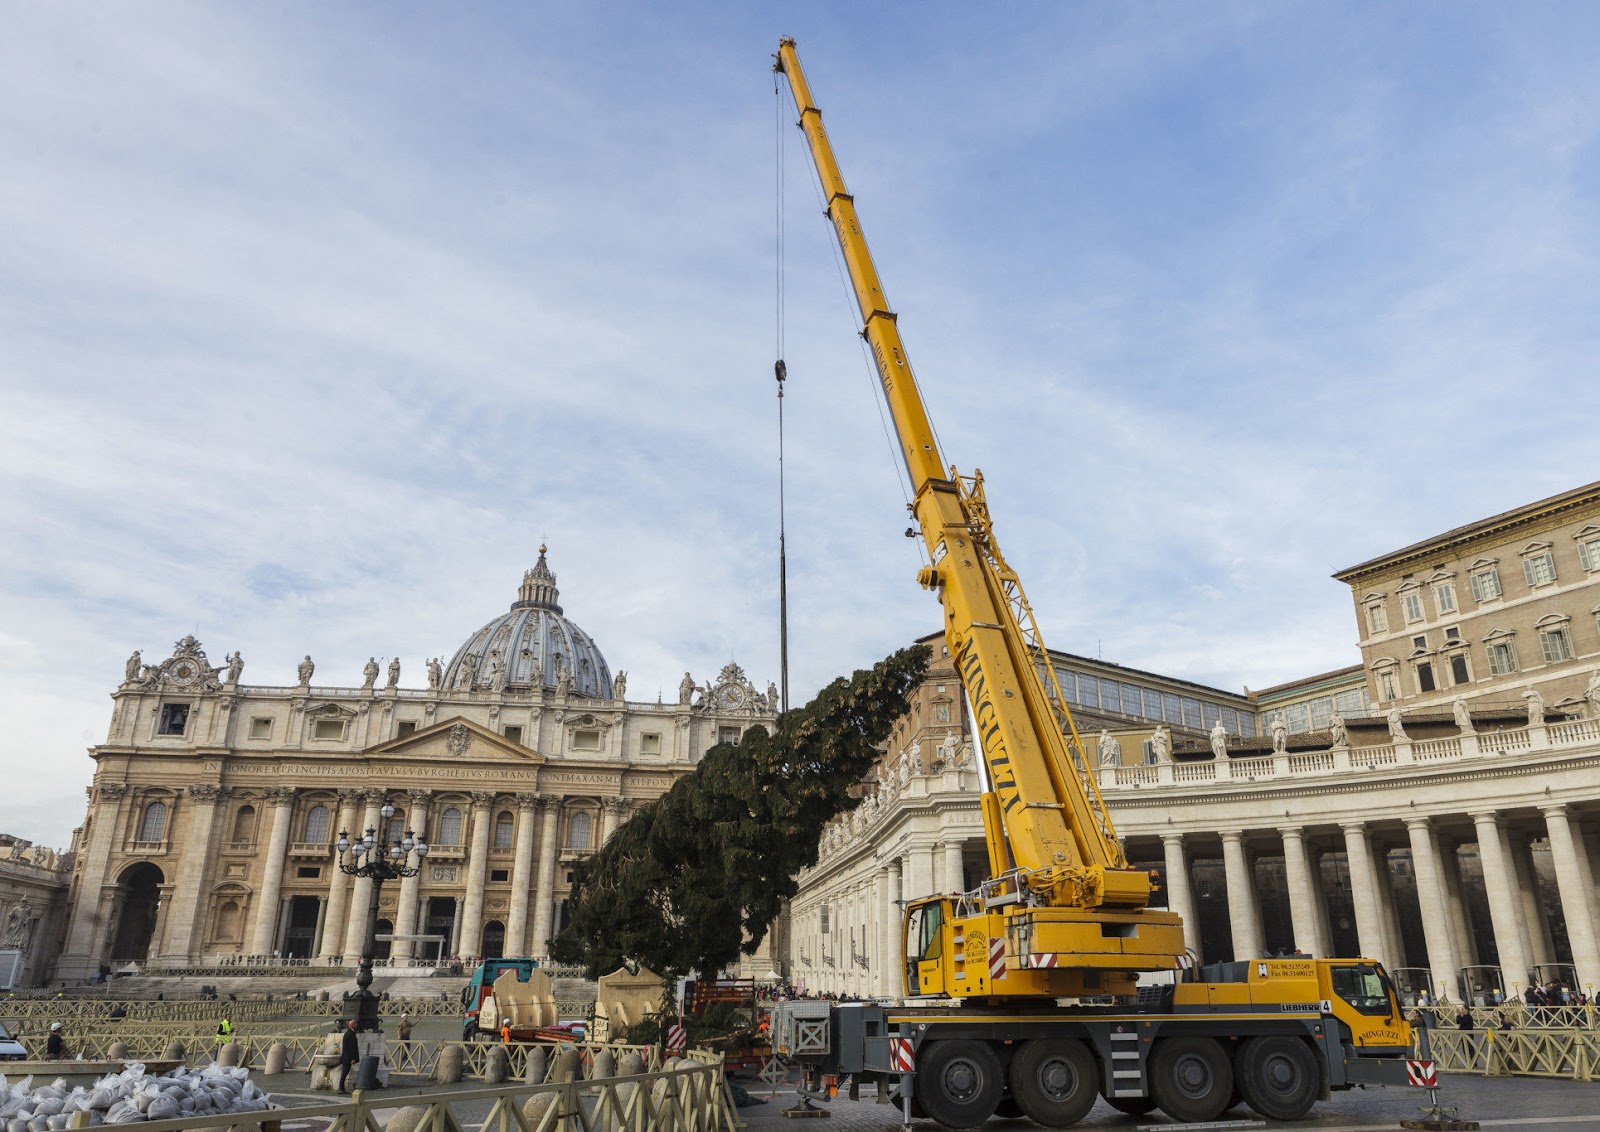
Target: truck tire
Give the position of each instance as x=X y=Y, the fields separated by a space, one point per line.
x=1055 y=1081
x=1278 y=1076
x=1190 y=1079
x=959 y=1082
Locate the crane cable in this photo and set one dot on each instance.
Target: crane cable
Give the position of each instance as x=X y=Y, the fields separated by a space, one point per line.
x=780 y=371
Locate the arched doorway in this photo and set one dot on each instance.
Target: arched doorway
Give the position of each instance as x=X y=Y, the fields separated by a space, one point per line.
x=139 y=890
x=494 y=940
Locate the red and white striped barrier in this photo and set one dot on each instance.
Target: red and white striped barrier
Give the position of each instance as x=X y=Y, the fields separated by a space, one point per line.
x=997 y=959
x=677 y=1039
x=1038 y=961
x=901 y=1059
x=1423 y=1073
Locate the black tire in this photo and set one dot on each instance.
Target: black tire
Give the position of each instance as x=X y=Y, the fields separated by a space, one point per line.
x=1055 y=1081
x=1278 y=1076
x=1190 y=1079
x=959 y=1082
x=1132 y=1106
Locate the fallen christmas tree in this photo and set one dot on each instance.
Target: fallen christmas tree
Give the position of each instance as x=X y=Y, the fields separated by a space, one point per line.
x=695 y=878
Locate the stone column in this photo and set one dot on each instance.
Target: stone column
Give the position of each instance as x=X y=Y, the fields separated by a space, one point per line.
x=183 y=926
x=918 y=874
x=1319 y=902
x=1434 y=904
x=893 y=961
x=1536 y=937
x=544 y=906
x=355 y=927
x=405 y=919
x=339 y=883
x=477 y=874
x=1243 y=917
x=610 y=819
x=90 y=916
x=1302 y=891
x=1577 y=898
x=1394 y=946
x=1180 y=894
x=266 y=920
x=1466 y=947
x=1363 y=890
x=955 y=879
x=522 y=868
x=1505 y=906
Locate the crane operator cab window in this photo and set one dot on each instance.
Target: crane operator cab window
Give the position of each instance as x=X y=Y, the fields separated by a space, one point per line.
x=1365 y=987
x=925 y=948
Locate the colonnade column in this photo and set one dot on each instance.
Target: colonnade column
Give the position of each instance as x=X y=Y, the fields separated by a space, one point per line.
x=522 y=870
x=355 y=929
x=545 y=895
x=405 y=918
x=1302 y=892
x=1369 y=923
x=955 y=878
x=265 y=930
x=1394 y=946
x=1577 y=898
x=339 y=884
x=892 y=961
x=1536 y=938
x=477 y=874
x=1180 y=895
x=1434 y=904
x=183 y=923
x=1504 y=906
x=1245 y=919
x=1466 y=945
x=919 y=873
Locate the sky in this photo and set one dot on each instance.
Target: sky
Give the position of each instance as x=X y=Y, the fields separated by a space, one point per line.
x=316 y=320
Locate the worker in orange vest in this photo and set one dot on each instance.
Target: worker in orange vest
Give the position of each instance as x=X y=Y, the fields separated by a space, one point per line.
x=505 y=1030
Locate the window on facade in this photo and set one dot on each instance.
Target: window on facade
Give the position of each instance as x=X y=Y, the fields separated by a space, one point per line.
x=499 y=874
x=154 y=824
x=315 y=830
x=1555 y=644
x=504 y=824
x=1321 y=712
x=1298 y=717
x=397 y=828
x=1412 y=602
x=1191 y=713
x=308 y=872
x=1502 y=658
x=727 y=734
x=228 y=921
x=1589 y=554
x=1209 y=715
x=1486 y=585
x=1152 y=704
x=1069 y=685
x=261 y=729
x=405 y=728
x=941 y=713
x=174 y=719
x=1420 y=642
x=1458 y=669
x=1377 y=622
x=1131 y=700
x=328 y=729
x=1110 y=695
x=824 y=927
x=450 y=827
x=1540 y=569
x=1444 y=596
x=650 y=743
x=1425 y=677
x=1089 y=692
x=578 y=831
x=1453 y=634
x=1388 y=686
x=1353 y=702
x=514 y=733
x=583 y=740
x=244 y=825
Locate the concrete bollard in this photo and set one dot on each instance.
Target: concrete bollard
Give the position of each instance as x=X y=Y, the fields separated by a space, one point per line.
x=174 y=1051
x=447 y=1070
x=533 y=1073
x=497 y=1066
x=605 y=1064
x=631 y=1065
x=534 y=1108
x=569 y=1065
x=277 y=1059
x=118 y=1050
x=228 y=1055
x=407 y=1119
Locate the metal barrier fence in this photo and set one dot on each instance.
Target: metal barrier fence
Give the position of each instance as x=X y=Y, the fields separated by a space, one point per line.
x=690 y=1096
x=1520 y=1015
x=1570 y=1054
x=241 y=1010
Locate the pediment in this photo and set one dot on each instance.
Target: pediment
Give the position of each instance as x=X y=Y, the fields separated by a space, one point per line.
x=1536 y=547
x=1482 y=563
x=1373 y=595
x=456 y=740
x=1588 y=532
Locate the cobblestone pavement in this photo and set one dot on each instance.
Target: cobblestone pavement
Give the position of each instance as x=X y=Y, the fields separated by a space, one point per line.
x=1501 y=1103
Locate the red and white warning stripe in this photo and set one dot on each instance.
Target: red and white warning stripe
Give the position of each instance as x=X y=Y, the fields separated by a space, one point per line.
x=997 y=959
x=1423 y=1073
x=677 y=1039
x=1037 y=960
x=901 y=1059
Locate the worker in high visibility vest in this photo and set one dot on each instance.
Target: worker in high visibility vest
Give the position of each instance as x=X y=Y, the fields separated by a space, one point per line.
x=505 y=1030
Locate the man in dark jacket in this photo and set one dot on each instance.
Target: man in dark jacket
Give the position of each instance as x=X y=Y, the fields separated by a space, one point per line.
x=349 y=1053
x=55 y=1046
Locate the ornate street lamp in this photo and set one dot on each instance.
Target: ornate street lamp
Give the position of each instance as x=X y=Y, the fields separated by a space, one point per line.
x=367 y=857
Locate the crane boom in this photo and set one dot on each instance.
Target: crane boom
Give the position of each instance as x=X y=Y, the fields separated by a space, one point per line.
x=1053 y=850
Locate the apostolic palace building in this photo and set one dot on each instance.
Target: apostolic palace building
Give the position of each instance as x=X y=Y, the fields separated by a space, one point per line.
x=1435 y=804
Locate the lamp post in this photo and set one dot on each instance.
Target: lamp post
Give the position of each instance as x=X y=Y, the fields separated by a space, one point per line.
x=367 y=857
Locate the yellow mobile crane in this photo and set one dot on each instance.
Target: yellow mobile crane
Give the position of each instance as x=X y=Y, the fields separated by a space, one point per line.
x=1046 y=954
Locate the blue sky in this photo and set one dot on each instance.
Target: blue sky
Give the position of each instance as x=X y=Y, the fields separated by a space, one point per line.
x=315 y=320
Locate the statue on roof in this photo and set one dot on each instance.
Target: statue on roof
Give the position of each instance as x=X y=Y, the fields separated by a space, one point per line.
x=1397 y=729
x=435 y=673
x=235 y=667
x=1110 y=750
x=306 y=668
x=1535 y=707
x=1219 y=740
x=1463 y=714
x=1280 y=734
x=1336 y=732
x=130 y=671
x=369 y=673
x=394 y=673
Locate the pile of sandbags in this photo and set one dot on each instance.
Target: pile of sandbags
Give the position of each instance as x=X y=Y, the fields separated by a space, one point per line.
x=129 y=1097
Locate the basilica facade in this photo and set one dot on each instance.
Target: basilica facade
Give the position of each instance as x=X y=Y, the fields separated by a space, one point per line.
x=216 y=805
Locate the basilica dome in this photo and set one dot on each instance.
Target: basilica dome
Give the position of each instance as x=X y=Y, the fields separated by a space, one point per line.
x=531 y=645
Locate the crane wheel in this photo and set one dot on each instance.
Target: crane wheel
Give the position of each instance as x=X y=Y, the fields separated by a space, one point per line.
x=1055 y=1081
x=1278 y=1077
x=1190 y=1079
x=959 y=1082
x=1132 y=1106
